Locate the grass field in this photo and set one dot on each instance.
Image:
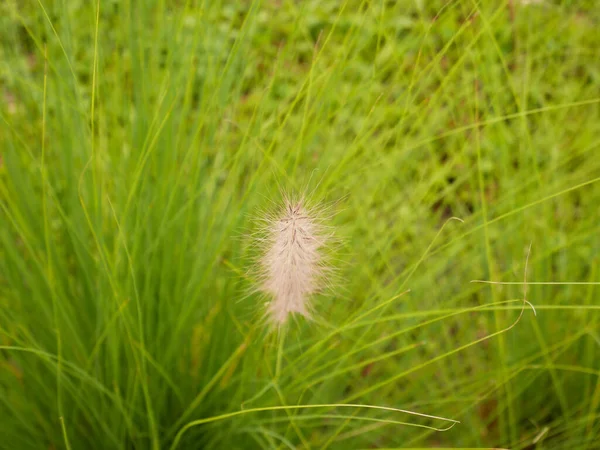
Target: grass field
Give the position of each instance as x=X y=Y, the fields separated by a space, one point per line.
x=139 y=141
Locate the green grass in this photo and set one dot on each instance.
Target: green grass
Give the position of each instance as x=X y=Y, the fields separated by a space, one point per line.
x=139 y=138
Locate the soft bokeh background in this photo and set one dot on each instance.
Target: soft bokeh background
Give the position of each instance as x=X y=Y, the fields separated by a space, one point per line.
x=138 y=139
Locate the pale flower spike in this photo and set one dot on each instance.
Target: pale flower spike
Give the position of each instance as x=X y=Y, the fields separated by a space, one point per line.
x=291 y=263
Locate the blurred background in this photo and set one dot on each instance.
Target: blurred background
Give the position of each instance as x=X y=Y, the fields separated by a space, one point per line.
x=139 y=141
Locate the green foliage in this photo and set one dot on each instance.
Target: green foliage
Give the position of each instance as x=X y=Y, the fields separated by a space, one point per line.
x=139 y=138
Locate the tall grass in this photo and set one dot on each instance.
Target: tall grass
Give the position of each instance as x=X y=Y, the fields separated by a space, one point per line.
x=137 y=140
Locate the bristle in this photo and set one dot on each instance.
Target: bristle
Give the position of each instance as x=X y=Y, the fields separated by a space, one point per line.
x=291 y=263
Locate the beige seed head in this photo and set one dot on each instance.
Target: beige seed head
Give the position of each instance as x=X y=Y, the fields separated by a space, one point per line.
x=291 y=264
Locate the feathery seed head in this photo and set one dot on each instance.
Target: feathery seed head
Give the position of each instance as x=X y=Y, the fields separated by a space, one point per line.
x=291 y=263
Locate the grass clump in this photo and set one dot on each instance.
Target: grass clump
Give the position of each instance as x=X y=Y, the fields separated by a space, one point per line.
x=137 y=138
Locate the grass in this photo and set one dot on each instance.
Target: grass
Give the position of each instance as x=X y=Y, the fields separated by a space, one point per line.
x=138 y=140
